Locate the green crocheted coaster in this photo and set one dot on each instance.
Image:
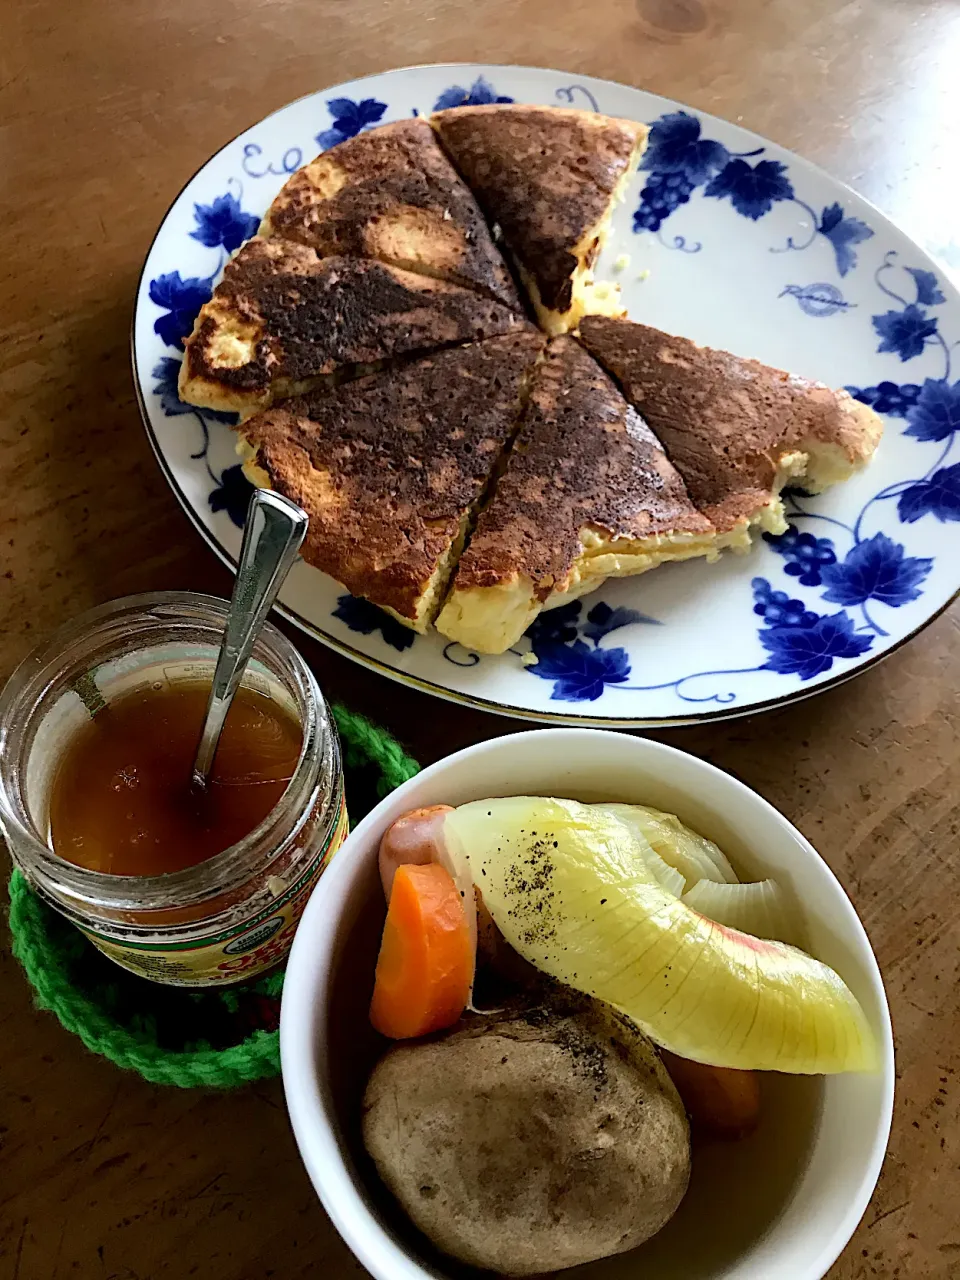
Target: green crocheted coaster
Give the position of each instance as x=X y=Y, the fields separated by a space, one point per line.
x=210 y=1038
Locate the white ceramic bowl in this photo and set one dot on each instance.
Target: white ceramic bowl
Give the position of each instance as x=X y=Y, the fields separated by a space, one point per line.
x=780 y=1205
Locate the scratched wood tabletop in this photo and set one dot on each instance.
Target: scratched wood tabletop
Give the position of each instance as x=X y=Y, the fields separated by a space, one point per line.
x=106 y=109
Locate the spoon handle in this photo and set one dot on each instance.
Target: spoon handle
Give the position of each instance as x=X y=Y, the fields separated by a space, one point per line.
x=272 y=537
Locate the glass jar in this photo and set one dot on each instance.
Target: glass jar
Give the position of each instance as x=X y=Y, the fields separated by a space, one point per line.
x=223 y=920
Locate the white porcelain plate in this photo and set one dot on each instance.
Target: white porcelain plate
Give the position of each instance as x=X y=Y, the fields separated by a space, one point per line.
x=731 y=241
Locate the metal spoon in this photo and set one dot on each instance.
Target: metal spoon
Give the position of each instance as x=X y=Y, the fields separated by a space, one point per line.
x=272 y=537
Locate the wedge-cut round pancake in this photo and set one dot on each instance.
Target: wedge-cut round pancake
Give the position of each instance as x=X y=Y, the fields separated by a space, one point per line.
x=549 y=177
x=588 y=494
x=390 y=467
x=391 y=194
x=736 y=430
x=283 y=317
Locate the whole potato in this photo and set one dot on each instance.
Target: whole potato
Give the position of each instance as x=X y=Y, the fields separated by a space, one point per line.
x=532 y=1139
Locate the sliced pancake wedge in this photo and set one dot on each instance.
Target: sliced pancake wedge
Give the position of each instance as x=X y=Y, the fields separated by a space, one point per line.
x=390 y=467
x=549 y=177
x=282 y=318
x=588 y=493
x=737 y=430
x=392 y=194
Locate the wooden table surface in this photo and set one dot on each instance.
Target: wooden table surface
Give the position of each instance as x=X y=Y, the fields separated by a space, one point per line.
x=106 y=108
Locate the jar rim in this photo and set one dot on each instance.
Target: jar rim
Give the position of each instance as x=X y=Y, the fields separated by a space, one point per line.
x=22 y=698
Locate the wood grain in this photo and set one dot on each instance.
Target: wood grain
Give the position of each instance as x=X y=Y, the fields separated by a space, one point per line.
x=105 y=110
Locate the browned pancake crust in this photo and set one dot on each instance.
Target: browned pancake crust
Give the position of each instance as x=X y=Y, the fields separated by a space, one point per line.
x=317 y=315
x=386 y=466
x=396 y=173
x=724 y=421
x=583 y=459
x=545 y=174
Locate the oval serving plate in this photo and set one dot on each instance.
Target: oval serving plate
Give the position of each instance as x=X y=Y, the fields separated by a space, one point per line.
x=732 y=242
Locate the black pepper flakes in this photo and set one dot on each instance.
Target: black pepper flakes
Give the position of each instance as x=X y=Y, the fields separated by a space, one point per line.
x=528 y=882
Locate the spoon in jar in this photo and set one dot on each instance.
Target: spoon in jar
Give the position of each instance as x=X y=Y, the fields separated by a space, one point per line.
x=272 y=537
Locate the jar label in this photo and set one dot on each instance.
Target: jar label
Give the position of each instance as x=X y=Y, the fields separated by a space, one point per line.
x=240 y=952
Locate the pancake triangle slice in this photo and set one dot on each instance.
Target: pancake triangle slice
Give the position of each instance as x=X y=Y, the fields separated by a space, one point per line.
x=391 y=467
x=283 y=318
x=737 y=430
x=549 y=177
x=391 y=194
x=588 y=494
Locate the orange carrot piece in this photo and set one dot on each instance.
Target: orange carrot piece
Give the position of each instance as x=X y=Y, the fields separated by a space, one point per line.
x=425 y=966
x=721 y=1102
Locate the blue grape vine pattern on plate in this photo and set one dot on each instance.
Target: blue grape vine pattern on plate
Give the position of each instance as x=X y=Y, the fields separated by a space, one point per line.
x=679 y=160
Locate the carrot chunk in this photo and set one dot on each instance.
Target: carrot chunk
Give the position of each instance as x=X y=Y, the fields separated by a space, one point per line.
x=721 y=1102
x=425 y=966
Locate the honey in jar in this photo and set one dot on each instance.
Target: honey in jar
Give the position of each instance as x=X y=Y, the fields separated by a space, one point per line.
x=123 y=801
x=98 y=730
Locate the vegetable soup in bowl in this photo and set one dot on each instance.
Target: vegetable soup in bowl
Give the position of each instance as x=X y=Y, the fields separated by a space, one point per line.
x=696 y=1076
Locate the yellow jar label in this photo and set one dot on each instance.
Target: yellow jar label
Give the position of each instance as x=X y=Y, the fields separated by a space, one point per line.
x=238 y=953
